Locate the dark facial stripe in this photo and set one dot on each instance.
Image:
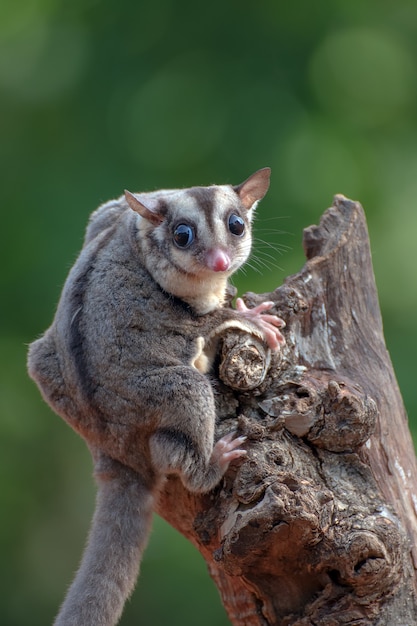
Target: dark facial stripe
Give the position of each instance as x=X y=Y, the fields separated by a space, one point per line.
x=206 y=200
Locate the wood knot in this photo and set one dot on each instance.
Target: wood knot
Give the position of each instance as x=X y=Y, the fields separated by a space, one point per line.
x=335 y=415
x=348 y=418
x=367 y=560
x=244 y=361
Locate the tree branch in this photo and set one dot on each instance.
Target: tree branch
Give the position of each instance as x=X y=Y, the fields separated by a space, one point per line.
x=318 y=524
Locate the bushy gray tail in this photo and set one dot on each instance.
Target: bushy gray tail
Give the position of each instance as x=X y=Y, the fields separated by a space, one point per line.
x=110 y=564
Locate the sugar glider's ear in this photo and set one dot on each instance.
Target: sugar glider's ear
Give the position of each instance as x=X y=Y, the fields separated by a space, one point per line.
x=148 y=208
x=254 y=188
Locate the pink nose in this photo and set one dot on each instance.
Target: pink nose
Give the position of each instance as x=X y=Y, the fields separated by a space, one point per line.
x=218 y=260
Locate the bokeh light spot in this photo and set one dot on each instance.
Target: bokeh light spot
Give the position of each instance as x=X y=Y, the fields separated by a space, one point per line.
x=363 y=74
x=42 y=60
x=176 y=119
x=318 y=164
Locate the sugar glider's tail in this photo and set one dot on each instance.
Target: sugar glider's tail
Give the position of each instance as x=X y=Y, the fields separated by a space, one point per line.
x=118 y=537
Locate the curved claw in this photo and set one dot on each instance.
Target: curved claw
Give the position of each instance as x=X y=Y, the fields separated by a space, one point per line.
x=227 y=449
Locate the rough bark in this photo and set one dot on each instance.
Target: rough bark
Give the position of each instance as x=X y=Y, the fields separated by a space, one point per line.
x=317 y=526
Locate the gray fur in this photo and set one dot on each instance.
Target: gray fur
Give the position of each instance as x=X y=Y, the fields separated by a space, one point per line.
x=120 y=363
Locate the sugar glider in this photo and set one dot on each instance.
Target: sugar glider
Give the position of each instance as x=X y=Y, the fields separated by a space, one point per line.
x=125 y=359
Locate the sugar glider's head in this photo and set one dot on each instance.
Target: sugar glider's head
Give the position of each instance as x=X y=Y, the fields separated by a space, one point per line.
x=194 y=239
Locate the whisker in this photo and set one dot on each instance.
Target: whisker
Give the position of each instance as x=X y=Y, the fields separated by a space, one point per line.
x=267 y=258
x=263 y=257
x=242 y=270
x=271 y=218
x=253 y=266
x=271 y=244
x=267 y=252
x=267 y=264
x=279 y=250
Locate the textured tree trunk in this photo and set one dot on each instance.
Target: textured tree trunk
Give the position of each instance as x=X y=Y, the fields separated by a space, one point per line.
x=317 y=526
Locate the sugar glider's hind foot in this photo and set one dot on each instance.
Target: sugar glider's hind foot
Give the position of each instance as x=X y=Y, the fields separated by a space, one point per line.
x=227 y=449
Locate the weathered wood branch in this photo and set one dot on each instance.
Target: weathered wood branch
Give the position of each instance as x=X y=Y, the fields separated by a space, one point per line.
x=318 y=525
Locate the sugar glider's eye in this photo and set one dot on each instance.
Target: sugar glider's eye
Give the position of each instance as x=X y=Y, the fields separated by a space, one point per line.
x=236 y=225
x=183 y=235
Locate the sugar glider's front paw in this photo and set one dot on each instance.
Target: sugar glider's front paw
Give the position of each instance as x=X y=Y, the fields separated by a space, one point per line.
x=268 y=324
x=227 y=449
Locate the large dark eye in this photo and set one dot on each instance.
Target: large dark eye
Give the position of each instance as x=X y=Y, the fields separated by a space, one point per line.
x=236 y=225
x=183 y=235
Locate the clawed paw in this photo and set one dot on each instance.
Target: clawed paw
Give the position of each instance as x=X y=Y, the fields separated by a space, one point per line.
x=268 y=324
x=227 y=449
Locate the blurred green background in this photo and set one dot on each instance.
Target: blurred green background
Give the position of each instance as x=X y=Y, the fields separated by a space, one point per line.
x=96 y=96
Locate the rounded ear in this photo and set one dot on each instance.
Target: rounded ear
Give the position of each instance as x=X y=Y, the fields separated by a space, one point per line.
x=149 y=211
x=254 y=188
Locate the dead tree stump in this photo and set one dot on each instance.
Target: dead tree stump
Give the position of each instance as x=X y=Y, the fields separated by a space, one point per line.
x=317 y=526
